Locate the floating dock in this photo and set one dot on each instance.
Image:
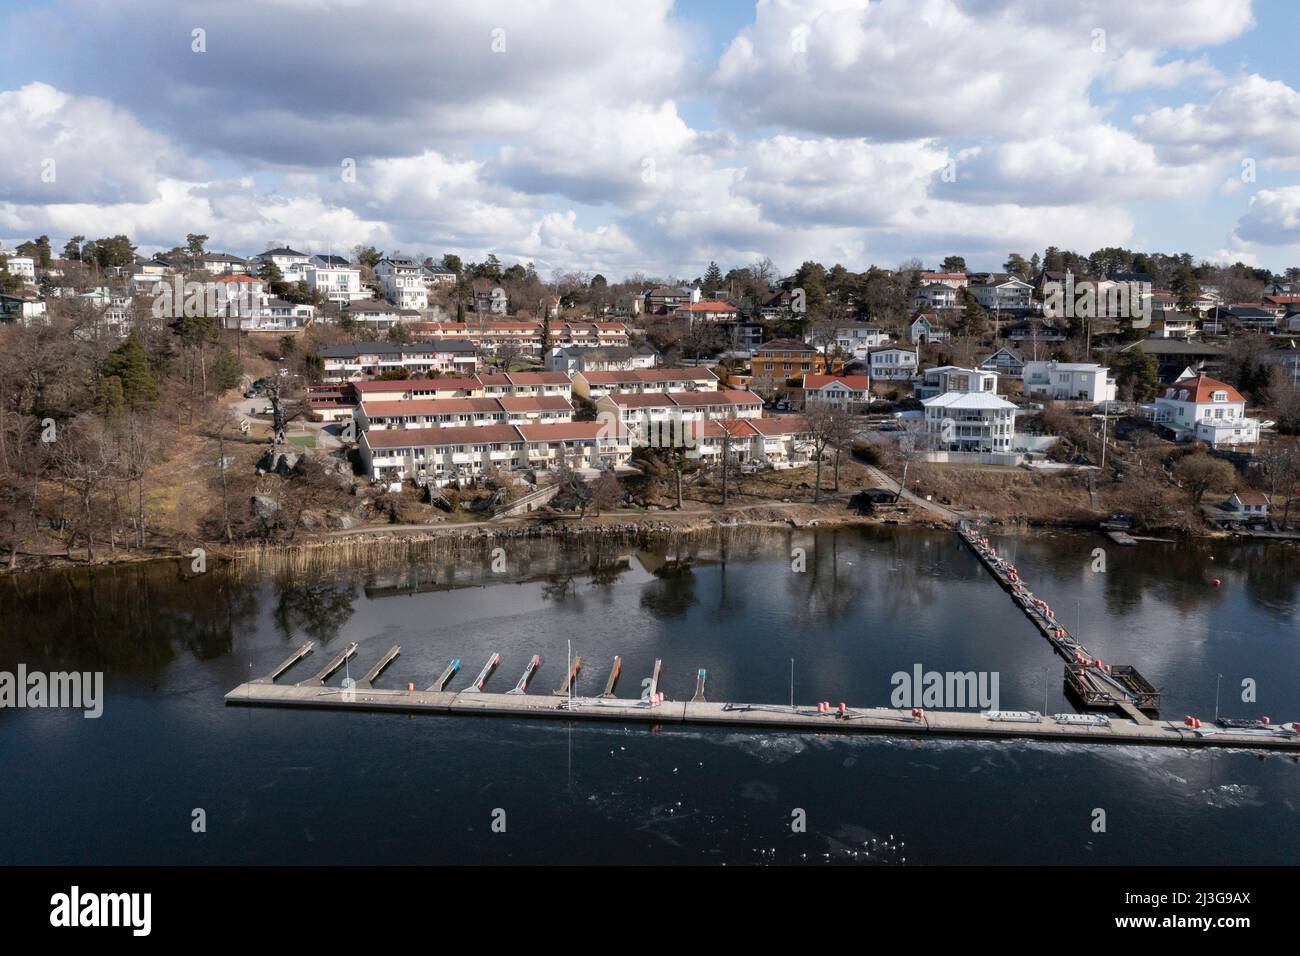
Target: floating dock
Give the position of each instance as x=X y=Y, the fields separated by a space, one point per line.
x=1107 y=686
x=819 y=718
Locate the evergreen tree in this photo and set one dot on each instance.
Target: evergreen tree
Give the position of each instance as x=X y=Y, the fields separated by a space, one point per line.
x=712 y=280
x=129 y=363
x=227 y=370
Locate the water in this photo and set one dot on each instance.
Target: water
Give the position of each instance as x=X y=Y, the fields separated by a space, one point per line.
x=319 y=787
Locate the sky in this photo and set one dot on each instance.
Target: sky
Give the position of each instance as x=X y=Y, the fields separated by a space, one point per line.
x=654 y=137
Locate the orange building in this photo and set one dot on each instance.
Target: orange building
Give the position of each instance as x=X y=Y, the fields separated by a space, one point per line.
x=776 y=362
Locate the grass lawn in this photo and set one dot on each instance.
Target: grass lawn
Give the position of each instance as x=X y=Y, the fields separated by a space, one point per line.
x=304 y=441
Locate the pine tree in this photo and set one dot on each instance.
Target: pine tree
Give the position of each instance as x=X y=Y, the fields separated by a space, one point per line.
x=712 y=280
x=129 y=363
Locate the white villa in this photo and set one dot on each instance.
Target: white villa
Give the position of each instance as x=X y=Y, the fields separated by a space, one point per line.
x=891 y=363
x=1202 y=407
x=288 y=261
x=402 y=283
x=954 y=378
x=970 y=422
x=1070 y=381
x=854 y=341
x=997 y=292
x=334 y=278
x=849 y=392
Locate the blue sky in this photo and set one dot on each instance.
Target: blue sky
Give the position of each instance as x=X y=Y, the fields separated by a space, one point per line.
x=655 y=137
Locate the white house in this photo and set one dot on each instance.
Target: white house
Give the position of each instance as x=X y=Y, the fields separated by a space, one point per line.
x=401 y=282
x=849 y=392
x=23 y=309
x=334 y=278
x=437 y=276
x=954 y=378
x=854 y=341
x=1070 y=381
x=953 y=280
x=288 y=261
x=1167 y=324
x=24 y=266
x=617 y=359
x=1202 y=407
x=223 y=263
x=1248 y=504
x=970 y=422
x=936 y=295
x=891 y=363
x=925 y=328
x=1002 y=293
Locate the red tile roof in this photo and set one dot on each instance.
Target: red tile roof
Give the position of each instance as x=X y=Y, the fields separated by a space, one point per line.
x=1199 y=389
x=438 y=437
x=856 y=382
x=418 y=384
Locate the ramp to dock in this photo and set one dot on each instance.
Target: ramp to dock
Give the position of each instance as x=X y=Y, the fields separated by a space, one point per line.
x=337 y=661
x=563 y=689
x=614 y=673
x=285 y=664
x=374 y=672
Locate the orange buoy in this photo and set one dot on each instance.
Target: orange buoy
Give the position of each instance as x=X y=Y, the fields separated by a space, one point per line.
x=917 y=712
x=1216 y=582
x=842 y=708
x=409 y=686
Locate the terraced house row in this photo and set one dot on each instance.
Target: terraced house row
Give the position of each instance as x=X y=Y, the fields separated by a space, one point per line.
x=439 y=456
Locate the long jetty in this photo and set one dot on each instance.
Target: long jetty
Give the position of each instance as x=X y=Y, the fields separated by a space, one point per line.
x=1097 y=684
x=818 y=718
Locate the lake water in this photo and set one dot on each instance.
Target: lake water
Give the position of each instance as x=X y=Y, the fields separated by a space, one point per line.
x=281 y=786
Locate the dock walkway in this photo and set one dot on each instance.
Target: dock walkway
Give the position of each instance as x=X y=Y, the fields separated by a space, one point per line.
x=819 y=718
x=1097 y=684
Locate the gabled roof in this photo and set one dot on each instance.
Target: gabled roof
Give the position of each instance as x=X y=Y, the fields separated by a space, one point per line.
x=455 y=435
x=649 y=375
x=785 y=345
x=282 y=251
x=707 y=305
x=418 y=384
x=1199 y=388
x=857 y=383
x=1251 y=497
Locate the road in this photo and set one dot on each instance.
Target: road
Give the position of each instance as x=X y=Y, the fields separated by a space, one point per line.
x=938 y=510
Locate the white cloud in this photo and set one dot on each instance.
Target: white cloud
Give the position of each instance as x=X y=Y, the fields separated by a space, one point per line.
x=1138 y=69
x=62 y=148
x=1252 y=112
x=1273 y=217
x=1082 y=165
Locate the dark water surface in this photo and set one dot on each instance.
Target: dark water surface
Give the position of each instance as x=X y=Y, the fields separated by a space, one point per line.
x=322 y=787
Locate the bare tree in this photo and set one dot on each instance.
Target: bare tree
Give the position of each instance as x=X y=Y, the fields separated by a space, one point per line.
x=832 y=427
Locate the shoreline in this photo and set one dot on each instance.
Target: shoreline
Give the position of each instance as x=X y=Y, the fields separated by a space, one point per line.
x=621 y=526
